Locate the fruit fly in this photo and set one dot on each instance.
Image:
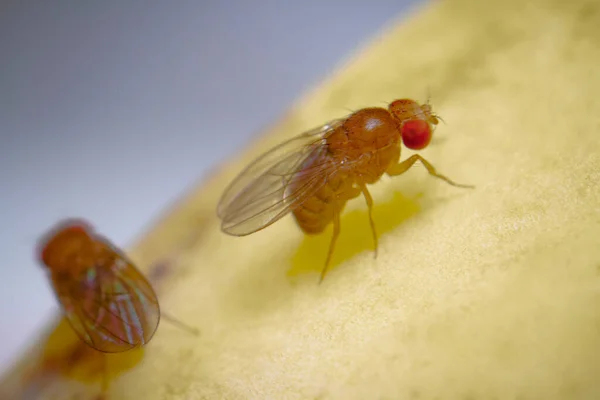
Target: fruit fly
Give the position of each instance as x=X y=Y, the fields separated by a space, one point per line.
x=106 y=299
x=314 y=174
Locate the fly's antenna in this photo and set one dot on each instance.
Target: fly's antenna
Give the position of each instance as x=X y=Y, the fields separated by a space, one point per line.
x=428 y=104
x=428 y=94
x=385 y=102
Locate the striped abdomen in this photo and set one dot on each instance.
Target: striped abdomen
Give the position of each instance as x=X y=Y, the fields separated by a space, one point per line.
x=317 y=211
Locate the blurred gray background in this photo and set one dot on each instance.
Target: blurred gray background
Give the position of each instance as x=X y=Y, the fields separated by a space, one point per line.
x=110 y=110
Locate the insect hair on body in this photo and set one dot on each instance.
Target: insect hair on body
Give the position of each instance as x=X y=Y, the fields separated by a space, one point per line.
x=314 y=174
x=107 y=301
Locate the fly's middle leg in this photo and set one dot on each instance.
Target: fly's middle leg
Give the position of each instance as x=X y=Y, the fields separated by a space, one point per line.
x=369 y=201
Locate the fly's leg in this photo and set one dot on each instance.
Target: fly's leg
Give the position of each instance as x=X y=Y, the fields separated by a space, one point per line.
x=104 y=383
x=336 y=233
x=178 y=323
x=402 y=167
x=369 y=201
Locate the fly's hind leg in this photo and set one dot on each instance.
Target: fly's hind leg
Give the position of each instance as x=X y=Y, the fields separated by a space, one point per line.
x=349 y=194
x=334 y=237
x=402 y=167
x=369 y=201
x=178 y=323
x=104 y=382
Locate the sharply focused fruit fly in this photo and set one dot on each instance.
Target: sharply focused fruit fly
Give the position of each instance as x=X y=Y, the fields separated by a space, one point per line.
x=107 y=301
x=314 y=174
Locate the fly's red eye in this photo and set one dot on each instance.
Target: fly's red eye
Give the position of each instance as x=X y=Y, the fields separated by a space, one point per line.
x=416 y=134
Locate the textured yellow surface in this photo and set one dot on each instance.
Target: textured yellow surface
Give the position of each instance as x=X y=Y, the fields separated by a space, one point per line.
x=491 y=293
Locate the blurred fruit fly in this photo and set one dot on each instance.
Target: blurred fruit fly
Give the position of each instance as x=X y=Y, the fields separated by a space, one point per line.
x=314 y=174
x=107 y=301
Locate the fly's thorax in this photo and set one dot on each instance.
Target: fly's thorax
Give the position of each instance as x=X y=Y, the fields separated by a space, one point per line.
x=68 y=249
x=366 y=143
x=367 y=130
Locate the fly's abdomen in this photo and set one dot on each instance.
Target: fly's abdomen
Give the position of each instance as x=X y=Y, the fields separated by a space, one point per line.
x=316 y=212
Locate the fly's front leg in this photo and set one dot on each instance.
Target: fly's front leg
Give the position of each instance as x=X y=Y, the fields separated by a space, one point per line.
x=402 y=167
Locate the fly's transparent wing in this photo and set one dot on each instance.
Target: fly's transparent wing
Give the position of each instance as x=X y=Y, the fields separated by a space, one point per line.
x=261 y=194
x=112 y=309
